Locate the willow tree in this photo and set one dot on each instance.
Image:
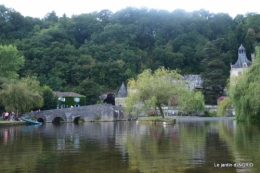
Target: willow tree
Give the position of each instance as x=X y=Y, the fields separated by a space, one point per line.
x=245 y=93
x=152 y=90
x=21 y=96
x=191 y=101
x=223 y=106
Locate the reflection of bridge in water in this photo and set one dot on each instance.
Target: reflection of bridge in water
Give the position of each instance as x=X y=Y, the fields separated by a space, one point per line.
x=72 y=137
x=100 y=112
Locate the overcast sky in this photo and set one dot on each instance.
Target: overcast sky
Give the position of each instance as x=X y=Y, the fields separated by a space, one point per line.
x=39 y=8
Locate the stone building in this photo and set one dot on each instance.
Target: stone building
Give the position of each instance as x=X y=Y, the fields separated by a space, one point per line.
x=122 y=92
x=193 y=81
x=121 y=95
x=241 y=64
x=69 y=99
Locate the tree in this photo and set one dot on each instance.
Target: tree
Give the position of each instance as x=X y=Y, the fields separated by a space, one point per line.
x=91 y=90
x=250 y=39
x=11 y=61
x=153 y=90
x=50 y=100
x=223 y=105
x=84 y=26
x=64 y=51
x=214 y=74
x=191 y=101
x=21 y=96
x=245 y=92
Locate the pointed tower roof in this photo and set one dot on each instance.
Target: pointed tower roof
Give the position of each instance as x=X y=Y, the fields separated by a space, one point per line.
x=242 y=60
x=241 y=47
x=122 y=91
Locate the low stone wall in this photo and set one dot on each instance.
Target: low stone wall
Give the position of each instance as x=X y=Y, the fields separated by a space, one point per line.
x=99 y=112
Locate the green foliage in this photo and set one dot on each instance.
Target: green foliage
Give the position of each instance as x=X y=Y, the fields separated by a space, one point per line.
x=223 y=105
x=97 y=117
x=108 y=48
x=191 y=101
x=213 y=76
x=91 y=90
x=210 y=114
x=21 y=96
x=153 y=90
x=50 y=100
x=99 y=102
x=245 y=93
x=11 y=61
x=2 y=108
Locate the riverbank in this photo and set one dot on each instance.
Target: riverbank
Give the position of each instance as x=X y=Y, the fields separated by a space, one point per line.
x=11 y=123
x=157 y=120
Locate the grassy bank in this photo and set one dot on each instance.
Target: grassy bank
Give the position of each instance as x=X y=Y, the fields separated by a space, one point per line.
x=154 y=119
x=2 y=123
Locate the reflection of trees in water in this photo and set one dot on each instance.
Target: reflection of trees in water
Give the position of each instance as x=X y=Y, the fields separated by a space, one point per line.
x=155 y=149
x=67 y=148
x=21 y=148
x=193 y=141
x=185 y=147
x=127 y=147
x=243 y=141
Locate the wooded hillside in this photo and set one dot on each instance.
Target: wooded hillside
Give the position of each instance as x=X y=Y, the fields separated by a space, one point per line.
x=91 y=53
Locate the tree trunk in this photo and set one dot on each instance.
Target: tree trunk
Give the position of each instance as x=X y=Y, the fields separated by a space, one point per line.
x=160 y=108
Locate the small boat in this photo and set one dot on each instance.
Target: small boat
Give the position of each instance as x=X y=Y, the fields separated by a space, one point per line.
x=31 y=121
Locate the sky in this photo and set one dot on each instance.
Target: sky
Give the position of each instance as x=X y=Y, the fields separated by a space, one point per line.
x=39 y=8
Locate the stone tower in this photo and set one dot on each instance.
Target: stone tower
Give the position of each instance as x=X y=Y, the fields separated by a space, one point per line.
x=122 y=92
x=241 y=64
x=121 y=95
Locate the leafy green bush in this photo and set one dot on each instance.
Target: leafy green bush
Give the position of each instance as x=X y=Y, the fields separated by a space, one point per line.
x=97 y=117
x=210 y=114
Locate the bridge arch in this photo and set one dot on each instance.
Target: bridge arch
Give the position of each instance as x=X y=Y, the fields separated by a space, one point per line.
x=40 y=119
x=58 y=120
x=77 y=119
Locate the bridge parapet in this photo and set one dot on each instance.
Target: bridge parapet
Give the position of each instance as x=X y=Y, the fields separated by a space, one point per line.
x=99 y=112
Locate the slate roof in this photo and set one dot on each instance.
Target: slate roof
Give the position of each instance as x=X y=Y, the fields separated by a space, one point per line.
x=242 y=59
x=67 y=94
x=122 y=92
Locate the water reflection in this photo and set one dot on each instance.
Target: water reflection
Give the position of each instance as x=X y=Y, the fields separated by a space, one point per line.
x=189 y=146
x=6 y=134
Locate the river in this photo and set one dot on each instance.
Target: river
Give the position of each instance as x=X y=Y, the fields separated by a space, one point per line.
x=192 y=145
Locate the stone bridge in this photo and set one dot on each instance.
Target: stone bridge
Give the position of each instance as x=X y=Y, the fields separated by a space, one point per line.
x=99 y=112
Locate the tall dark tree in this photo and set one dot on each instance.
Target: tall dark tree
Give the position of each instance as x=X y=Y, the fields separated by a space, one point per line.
x=91 y=90
x=214 y=77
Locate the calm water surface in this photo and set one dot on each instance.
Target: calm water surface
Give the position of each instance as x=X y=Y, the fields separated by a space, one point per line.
x=192 y=145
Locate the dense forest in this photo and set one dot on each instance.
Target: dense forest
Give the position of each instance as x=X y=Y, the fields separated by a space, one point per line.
x=94 y=52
